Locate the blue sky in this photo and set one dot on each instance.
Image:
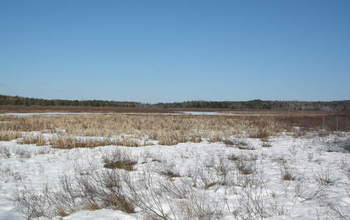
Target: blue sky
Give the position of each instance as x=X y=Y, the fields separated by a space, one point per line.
x=165 y=50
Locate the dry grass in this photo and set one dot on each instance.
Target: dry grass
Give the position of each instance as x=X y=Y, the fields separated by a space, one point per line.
x=8 y=135
x=118 y=159
x=325 y=177
x=246 y=168
x=245 y=163
x=261 y=132
x=167 y=129
x=127 y=165
x=287 y=172
x=38 y=140
x=229 y=143
x=72 y=142
x=69 y=142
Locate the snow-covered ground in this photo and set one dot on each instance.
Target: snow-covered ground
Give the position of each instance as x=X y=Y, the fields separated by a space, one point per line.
x=201 y=113
x=285 y=178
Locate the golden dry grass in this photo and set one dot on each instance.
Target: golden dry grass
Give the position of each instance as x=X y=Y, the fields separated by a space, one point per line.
x=39 y=140
x=8 y=135
x=72 y=142
x=68 y=142
x=167 y=129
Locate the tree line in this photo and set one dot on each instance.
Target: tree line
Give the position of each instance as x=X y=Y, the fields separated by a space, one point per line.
x=229 y=105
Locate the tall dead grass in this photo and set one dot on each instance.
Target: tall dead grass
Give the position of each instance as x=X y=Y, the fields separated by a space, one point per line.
x=167 y=129
x=38 y=140
x=8 y=135
x=69 y=142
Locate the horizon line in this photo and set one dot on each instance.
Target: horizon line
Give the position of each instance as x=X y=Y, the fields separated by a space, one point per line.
x=167 y=102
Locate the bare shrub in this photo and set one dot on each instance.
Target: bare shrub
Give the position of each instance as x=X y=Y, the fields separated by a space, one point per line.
x=325 y=177
x=33 y=205
x=252 y=205
x=246 y=147
x=239 y=144
x=279 y=159
x=234 y=157
x=7 y=173
x=147 y=197
x=255 y=202
x=225 y=172
x=338 y=212
x=170 y=173
x=5 y=152
x=286 y=171
x=200 y=206
x=152 y=197
x=246 y=167
x=205 y=178
x=229 y=143
x=243 y=157
x=179 y=190
x=125 y=165
x=118 y=159
x=306 y=193
x=112 y=193
x=101 y=190
x=293 y=151
x=345 y=167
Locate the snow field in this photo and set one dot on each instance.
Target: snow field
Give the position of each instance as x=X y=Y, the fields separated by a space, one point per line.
x=306 y=177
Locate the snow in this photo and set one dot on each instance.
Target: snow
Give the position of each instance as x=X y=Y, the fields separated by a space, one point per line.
x=201 y=113
x=100 y=215
x=8 y=215
x=307 y=157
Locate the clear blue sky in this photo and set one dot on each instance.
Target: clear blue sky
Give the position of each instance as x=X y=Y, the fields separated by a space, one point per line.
x=176 y=50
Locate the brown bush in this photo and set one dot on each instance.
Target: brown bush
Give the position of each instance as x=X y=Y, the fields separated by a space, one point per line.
x=125 y=165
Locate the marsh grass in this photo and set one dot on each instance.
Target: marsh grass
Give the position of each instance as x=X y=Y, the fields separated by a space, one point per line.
x=38 y=140
x=166 y=129
x=8 y=135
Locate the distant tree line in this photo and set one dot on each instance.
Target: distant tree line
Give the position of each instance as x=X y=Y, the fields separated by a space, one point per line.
x=17 y=100
x=263 y=105
x=229 y=105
